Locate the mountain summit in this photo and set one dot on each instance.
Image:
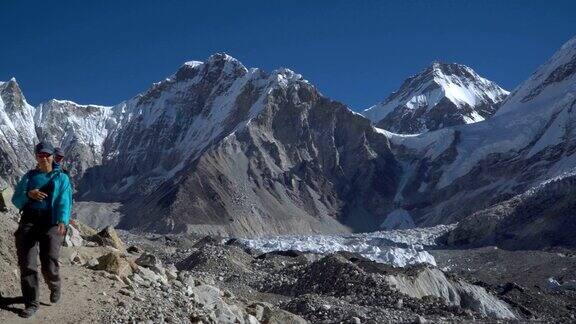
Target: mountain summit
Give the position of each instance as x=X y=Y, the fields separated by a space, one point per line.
x=443 y=94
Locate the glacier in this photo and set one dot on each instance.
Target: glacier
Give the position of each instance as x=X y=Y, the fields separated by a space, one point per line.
x=398 y=248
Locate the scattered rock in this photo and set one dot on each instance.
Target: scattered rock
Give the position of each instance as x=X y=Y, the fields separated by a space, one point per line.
x=126 y=292
x=420 y=320
x=265 y=312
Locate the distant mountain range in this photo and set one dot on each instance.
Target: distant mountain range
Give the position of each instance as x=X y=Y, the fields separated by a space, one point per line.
x=220 y=148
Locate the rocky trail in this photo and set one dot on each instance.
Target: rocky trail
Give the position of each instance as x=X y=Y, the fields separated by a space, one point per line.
x=123 y=277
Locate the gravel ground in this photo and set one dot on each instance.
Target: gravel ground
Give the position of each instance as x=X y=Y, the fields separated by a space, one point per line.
x=341 y=287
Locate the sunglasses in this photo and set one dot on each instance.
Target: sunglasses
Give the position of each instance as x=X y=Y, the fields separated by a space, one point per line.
x=43 y=155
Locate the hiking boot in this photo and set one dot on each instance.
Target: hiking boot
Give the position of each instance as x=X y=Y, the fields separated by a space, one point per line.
x=54 y=296
x=28 y=311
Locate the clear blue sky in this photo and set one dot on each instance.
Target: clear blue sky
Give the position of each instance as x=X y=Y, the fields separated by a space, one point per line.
x=356 y=52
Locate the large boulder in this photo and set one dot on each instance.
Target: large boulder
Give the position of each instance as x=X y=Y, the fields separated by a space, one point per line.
x=152 y=262
x=211 y=298
x=109 y=237
x=267 y=313
x=85 y=230
x=114 y=263
x=151 y=276
x=427 y=281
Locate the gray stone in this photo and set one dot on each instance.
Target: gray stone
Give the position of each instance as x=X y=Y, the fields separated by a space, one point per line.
x=152 y=262
x=76 y=258
x=73 y=237
x=151 y=276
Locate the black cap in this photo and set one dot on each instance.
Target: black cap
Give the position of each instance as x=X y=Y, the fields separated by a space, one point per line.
x=44 y=147
x=58 y=151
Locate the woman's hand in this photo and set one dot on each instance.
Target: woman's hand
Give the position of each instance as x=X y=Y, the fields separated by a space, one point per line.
x=61 y=229
x=37 y=194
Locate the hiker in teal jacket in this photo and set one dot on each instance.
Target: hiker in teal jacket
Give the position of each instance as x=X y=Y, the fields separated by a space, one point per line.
x=61 y=205
x=44 y=197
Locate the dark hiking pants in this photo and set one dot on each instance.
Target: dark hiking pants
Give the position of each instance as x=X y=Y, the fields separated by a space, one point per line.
x=36 y=235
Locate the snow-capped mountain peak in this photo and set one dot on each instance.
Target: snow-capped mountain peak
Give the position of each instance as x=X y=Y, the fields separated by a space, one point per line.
x=461 y=84
x=12 y=94
x=443 y=94
x=226 y=63
x=551 y=81
x=193 y=64
x=17 y=134
x=79 y=129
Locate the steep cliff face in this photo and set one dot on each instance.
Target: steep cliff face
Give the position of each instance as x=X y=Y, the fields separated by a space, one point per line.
x=540 y=217
x=303 y=164
x=79 y=129
x=160 y=132
x=17 y=134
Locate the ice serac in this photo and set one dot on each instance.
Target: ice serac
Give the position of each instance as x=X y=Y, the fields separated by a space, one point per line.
x=442 y=95
x=17 y=135
x=261 y=154
x=454 y=172
x=80 y=130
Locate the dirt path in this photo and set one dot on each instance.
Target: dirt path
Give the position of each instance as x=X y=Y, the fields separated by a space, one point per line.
x=82 y=300
x=87 y=295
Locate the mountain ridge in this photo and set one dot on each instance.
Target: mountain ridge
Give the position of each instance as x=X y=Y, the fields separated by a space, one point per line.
x=223 y=149
x=441 y=95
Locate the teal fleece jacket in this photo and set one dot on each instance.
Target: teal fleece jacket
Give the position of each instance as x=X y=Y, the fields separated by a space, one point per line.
x=61 y=200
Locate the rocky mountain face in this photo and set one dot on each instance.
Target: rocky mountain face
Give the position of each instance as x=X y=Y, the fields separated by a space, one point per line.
x=454 y=172
x=80 y=129
x=17 y=134
x=302 y=164
x=539 y=218
x=442 y=95
x=161 y=132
